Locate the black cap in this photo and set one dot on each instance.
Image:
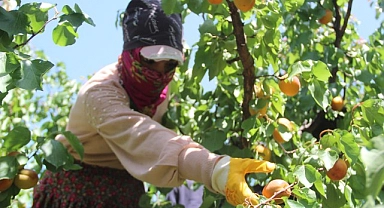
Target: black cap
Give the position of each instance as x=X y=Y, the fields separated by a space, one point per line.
x=146 y=24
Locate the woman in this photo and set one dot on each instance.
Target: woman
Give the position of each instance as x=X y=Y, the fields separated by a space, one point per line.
x=116 y=117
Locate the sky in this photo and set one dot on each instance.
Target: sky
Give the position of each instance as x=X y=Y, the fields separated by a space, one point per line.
x=100 y=45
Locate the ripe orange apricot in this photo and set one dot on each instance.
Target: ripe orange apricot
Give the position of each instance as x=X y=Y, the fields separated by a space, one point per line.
x=215 y=1
x=244 y=5
x=337 y=103
x=261 y=112
x=327 y=17
x=275 y=186
x=290 y=88
x=338 y=171
x=276 y=134
x=5 y=184
x=263 y=151
x=26 y=179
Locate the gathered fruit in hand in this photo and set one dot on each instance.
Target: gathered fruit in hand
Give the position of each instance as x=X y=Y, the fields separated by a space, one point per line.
x=276 y=134
x=327 y=17
x=5 y=184
x=244 y=5
x=337 y=103
x=338 y=171
x=290 y=87
x=275 y=186
x=26 y=179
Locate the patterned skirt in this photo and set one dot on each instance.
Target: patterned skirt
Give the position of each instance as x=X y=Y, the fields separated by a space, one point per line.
x=90 y=187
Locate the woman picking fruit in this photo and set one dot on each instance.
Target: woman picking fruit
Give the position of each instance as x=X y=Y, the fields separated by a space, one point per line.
x=117 y=118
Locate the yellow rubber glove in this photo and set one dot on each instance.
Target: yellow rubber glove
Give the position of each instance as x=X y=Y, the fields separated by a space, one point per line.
x=228 y=178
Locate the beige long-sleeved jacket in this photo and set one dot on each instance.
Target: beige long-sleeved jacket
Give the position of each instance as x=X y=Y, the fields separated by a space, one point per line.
x=114 y=135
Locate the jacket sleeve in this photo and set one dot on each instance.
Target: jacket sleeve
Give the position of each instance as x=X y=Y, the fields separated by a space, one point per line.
x=146 y=149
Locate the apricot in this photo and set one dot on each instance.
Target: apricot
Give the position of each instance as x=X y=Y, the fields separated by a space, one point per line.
x=276 y=134
x=337 y=103
x=275 y=186
x=327 y=17
x=262 y=112
x=263 y=151
x=244 y=5
x=26 y=179
x=215 y=1
x=290 y=88
x=5 y=184
x=338 y=171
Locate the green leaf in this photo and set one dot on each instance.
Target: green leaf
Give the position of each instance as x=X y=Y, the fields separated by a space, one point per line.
x=293 y=204
x=208 y=26
x=76 y=19
x=334 y=197
x=215 y=65
x=357 y=181
x=5 y=41
x=75 y=143
x=55 y=153
x=307 y=175
x=320 y=93
x=270 y=21
x=248 y=124
x=374 y=163
x=17 y=138
x=85 y=17
x=64 y=34
x=351 y=149
x=13 y=22
x=2 y=96
x=329 y=140
x=171 y=6
x=298 y=68
x=306 y=194
x=321 y=71
x=320 y=187
x=329 y=157
x=37 y=14
x=32 y=72
x=8 y=167
x=292 y=5
x=373 y=111
x=213 y=140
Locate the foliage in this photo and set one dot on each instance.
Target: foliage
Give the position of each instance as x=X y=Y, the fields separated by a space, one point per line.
x=237 y=50
x=31 y=118
x=284 y=39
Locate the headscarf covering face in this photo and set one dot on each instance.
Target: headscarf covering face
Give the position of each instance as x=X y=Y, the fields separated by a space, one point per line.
x=146 y=25
x=146 y=87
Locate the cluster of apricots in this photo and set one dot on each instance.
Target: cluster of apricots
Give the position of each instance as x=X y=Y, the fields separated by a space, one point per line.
x=290 y=88
x=24 y=179
x=242 y=5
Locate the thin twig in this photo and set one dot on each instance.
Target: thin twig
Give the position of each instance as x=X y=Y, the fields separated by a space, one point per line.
x=286 y=151
x=39 y=31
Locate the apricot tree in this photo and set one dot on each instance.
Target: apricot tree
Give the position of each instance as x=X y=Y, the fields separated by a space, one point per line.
x=260 y=43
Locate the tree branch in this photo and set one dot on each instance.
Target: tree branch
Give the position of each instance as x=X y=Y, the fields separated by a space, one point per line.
x=245 y=58
x=340 y=31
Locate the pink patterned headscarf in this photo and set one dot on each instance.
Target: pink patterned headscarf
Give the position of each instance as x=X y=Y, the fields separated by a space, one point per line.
x=146 y=87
